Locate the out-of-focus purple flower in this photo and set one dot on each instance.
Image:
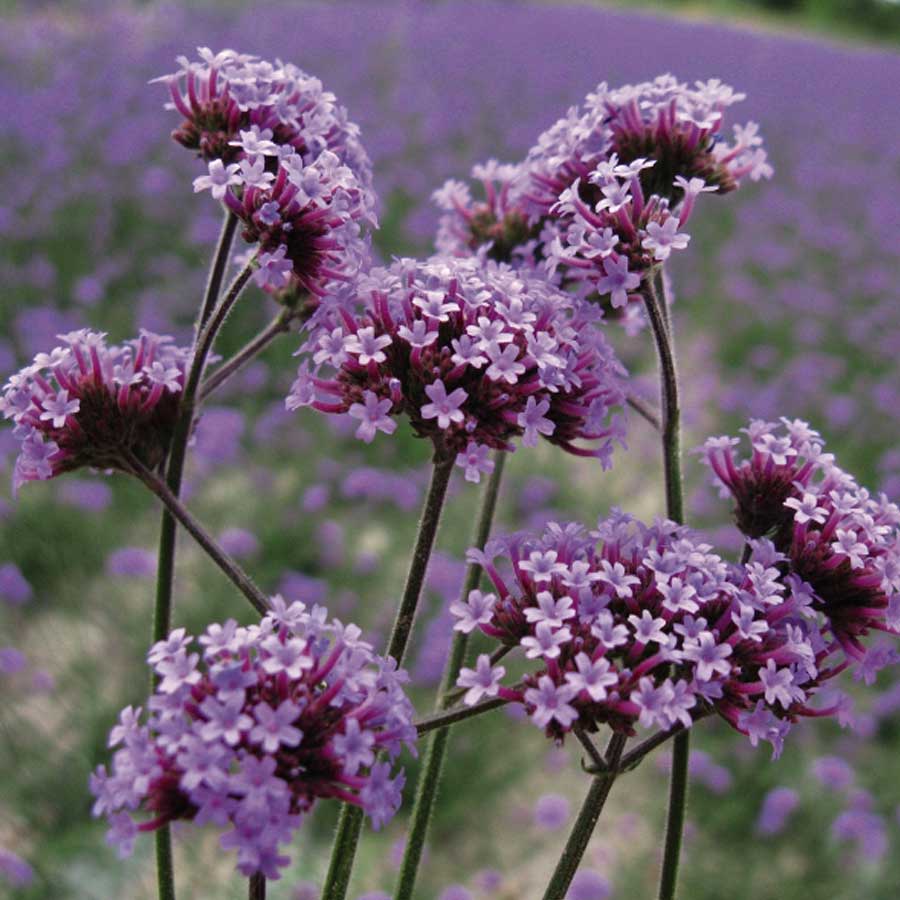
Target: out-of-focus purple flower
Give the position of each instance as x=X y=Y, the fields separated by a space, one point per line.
x=94 y=496
x=239 y=542
x=551 y=812
x=12 y=661
x=777 y=806
x=833 y=772
x=87 y=403
x=272 y=718
x=589 y=884
x=217 y=436
x=861 y=826
x=14 y=587
x=294 y=585
x=15 y=870
x=455 y=892
x=131 y=562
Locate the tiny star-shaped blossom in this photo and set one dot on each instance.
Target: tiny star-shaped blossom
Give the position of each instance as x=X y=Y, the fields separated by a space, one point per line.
x=662 y=239
x=219 y=179
x=617 y=281
x=477 y=610
x=482 y=681
x=533 y=420
x=373 y=416
x=274 y=727
x=476 y=460
x=592 y=676
x=551 y=701
x=807 y=509
x=57 y=409
x=444 y=407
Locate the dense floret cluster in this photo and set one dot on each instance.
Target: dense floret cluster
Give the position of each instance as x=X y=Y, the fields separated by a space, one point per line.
x=87 y=403
x=497 y=227
x=473 y=355
x=283 y=158
x=605 y=192
x=237 y=106
x=634 y=624
x=839 y=539
x=273 y=717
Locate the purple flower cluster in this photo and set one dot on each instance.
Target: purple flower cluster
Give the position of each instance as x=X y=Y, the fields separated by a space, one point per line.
x=276 y=715
x=601 y=197
x=283 y=157
x=473 y=355
x=87 y=403
x=496 y=227
x=619 y=179
x=635 y=624
x=841 y=544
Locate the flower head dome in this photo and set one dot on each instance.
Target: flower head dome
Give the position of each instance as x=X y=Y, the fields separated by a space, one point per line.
x=248 y=732
x=839 y=540
x=644 y=625
x=473 y=356
x=88 y=403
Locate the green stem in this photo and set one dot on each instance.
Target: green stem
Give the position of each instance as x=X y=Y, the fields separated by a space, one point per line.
x=229 y=566
x=346 y=837
x=586 y=822
x=279 y=325
x=217 y=270
x=165 y=572
x=660 y=324
x=435 y=751
x=441 y=719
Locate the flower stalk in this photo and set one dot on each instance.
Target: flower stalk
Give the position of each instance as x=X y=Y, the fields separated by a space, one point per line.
x=350 y=822
x=436 y=750
x=655 y=304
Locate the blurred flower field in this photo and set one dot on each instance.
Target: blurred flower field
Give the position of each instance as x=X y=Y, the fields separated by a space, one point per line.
x=789 y=310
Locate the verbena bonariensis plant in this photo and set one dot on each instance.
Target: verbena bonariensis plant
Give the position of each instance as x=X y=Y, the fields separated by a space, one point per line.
x=498 y=338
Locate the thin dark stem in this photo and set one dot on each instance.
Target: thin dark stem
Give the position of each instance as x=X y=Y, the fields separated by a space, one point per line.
x=257 y=887
x=165 y=870
x=585 y=740
x=165 y=570
x=217 y=270
x=657 y=313
x=746 y=553
x=644 y=409
x=669 y=401
x=280 y=324
x=235 y=573
x=442 y=719
x=436 y=750
x=633 y=758
x=585 y=823
x=346 y=838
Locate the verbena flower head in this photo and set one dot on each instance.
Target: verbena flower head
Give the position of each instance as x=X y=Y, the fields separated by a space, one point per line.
x=473 y=355
x=613 y=185
x=634 y=624
x=88 y=403
x=248 y=732
x=839 y=541
x=496 y=227
x=305 y=217
x=240 y=107
x=283 y=157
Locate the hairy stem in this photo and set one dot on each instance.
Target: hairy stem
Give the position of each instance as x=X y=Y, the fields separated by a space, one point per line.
x=165 y=570
x=657 y=313
x=586 y=822
x=644 y=409
x=179 y=511
x=445 y=717
x=436 y=750
x=217 y=270
x=346 y=838
x=279 y=325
